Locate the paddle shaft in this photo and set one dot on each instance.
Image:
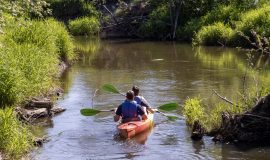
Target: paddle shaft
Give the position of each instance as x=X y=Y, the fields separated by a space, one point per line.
x=111 y=110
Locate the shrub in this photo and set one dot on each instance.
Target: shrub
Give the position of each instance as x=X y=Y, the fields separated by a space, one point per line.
x=193 y=110
x=256 y=19
x=189 y=30
x=84 y=26
x=157 y=25
x=15 y=138
x=71 y=9
x=214 y=35
x=225 y=14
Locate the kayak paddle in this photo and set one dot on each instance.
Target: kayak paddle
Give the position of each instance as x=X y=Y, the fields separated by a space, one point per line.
x=165 y=107
x=112 y=89
x=92 y=112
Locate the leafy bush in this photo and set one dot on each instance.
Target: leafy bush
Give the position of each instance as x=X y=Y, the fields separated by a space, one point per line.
x=214 y=35
x=25 y=8
x=84 y=26
x=189 y=30
x=15 y=138
x=226 y=14
x=222 y=13
x=157 y=25
x=193 y=110
x=71 y=9
x=256 y=19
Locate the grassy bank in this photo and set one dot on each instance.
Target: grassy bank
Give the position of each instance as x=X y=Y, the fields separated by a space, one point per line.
x=209 y=114
x=30 y=52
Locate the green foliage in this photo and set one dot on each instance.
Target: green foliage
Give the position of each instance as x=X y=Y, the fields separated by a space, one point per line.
x=157 y=25
x=84 y=26
x=193 y=110
x=211 y=120
x=189 y=30
x=25 y=8
x=257 y=19
x=215 y=34
x=29 y=57
x=225 y=14
x=15 y=138
x=63 y=40
x=70 y=9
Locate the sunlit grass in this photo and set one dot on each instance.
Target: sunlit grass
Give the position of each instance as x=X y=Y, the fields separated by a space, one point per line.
x=29 y=58
x=15 y=138
x=84 y=26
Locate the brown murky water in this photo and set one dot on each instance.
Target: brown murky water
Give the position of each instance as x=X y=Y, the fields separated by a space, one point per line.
x=165 y=72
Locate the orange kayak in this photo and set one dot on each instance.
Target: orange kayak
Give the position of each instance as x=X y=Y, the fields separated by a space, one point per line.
x=133 y=128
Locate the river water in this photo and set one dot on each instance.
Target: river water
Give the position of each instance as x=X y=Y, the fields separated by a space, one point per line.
x=165 y=72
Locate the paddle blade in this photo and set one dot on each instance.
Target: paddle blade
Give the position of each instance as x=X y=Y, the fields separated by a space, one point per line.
x=89 y=112
x=172 y=118
x=169 y=106
x=110 y=88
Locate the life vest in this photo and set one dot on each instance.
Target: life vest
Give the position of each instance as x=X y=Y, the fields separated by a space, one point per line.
x=129 y=109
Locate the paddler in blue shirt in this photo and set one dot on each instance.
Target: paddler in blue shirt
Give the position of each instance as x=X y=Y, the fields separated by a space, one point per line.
x=140 y=100
x=129 y=110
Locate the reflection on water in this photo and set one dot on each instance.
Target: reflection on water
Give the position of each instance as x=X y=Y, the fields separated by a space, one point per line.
x=165 y=72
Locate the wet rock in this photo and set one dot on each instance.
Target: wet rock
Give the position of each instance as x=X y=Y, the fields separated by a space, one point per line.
x=39 y=141
x=56 y=110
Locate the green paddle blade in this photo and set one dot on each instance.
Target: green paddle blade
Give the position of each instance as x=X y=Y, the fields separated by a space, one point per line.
x=89 y=112
x=172 y=118
x=110 y=88
x=168 y=106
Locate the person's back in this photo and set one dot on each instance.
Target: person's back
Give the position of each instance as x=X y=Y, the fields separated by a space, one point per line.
x=140 y=99
x=129 y=110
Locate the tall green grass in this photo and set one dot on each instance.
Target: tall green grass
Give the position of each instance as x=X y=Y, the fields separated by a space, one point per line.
x=30 y=52
x=29 y=57
x=15 y=138
x=84 y=26
x=210 y=118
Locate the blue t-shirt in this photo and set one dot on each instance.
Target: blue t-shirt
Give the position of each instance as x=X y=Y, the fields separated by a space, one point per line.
x=129 y=109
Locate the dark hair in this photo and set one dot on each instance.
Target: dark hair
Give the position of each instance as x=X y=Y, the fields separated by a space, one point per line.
x=130 y=95
x=136 y=90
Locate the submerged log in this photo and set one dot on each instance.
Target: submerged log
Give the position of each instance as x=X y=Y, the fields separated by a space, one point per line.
x=251 y=126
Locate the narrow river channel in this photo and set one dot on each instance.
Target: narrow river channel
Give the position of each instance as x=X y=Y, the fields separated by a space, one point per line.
x=165 y=72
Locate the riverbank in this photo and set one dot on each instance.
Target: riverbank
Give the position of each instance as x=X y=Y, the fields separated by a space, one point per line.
x=31 y=52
